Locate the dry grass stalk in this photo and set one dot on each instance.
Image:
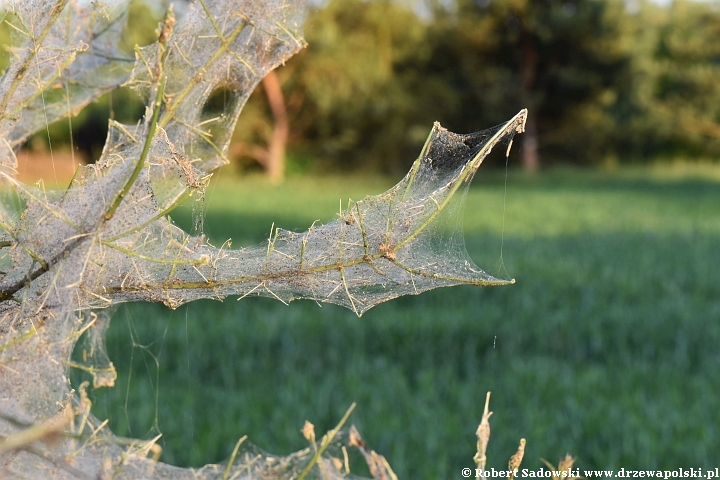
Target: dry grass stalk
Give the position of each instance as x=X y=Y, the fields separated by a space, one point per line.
x=378 y=464
x=516 y=459
x=308 y=432
x=565 y=464
x=483 y=434
x=324 y=443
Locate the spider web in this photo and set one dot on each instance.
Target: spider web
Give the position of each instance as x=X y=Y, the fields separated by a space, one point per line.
x=68 y=256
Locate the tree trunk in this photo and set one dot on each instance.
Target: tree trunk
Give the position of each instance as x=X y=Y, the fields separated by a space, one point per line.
x=530 y=157
x=275 y=160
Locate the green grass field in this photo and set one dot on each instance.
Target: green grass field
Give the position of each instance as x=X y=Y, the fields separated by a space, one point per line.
x=607 y=347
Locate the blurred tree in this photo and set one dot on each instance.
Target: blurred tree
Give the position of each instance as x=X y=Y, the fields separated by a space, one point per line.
x=601 y=80
x=272 y=155
x=351 y=94
x=674 y=105
x=562 y=59
x=376 y=75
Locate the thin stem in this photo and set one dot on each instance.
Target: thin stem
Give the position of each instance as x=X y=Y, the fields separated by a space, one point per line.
x=479 y=283
x=245 y=279
x=327 y=439
x=37 y=258
x=201 y=261
x=206 y=137
x=289 y=33
x=260 y=278
x=175 y=265
x=8 y=292
x=187 y=194
x=226 y=473
x=347 y=291
x=30 y=333
x=362 y=229
x=418 y=162
x=212 y=20
x=271 y=241
x=145 y=151
x=387 y=222
x=160 y=81
x=88 y=369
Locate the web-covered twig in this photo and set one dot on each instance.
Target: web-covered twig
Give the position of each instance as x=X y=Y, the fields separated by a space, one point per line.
x=66 y=256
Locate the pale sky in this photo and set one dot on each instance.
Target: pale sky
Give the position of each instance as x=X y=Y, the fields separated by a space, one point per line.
x=667 y=2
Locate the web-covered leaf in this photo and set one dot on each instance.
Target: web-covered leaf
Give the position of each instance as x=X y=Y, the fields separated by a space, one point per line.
x=404 y=241
x=106 y=239
x=216 y=47
x=64 y=54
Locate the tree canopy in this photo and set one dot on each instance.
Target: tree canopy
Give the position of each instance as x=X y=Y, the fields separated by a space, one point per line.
x=603 y=80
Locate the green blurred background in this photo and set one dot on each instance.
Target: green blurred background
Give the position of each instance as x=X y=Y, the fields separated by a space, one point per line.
x=608 y=216
x=607 y=346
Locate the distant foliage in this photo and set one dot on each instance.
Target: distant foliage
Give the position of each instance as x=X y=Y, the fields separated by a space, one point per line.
x=672 y=107
x=603 y=81
x=606 y=81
